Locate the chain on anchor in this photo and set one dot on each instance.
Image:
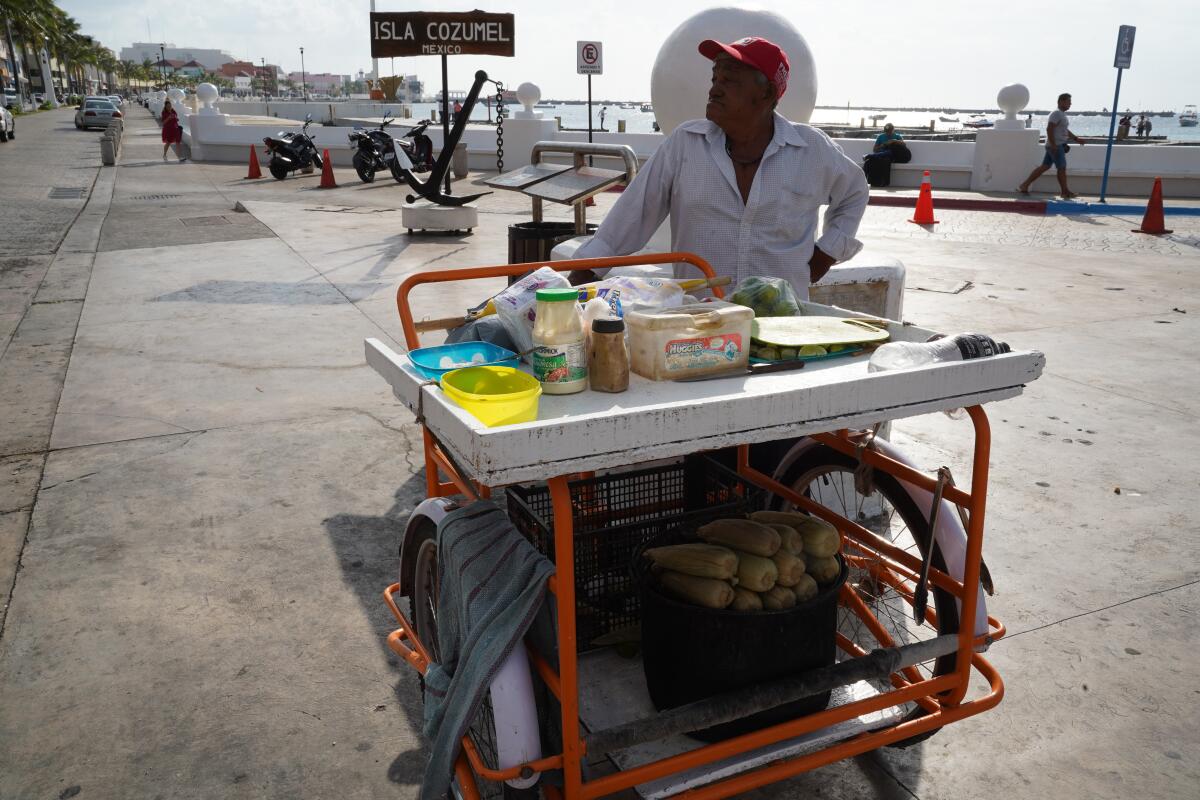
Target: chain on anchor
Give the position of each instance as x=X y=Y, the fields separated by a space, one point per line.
x=499 y=126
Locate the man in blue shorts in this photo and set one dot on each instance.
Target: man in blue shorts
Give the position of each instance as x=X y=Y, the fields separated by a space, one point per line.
x=1057 y=132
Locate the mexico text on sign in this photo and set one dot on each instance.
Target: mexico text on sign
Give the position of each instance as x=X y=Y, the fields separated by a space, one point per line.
x=436 y=34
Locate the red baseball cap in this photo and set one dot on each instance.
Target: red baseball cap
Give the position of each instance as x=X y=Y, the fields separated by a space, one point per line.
x=766 y=57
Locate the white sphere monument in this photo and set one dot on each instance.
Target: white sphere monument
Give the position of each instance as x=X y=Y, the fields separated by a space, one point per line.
x=1005 y=154
x=528 y=94
x=681 y=77
x=1012 y=99
x=207 y=94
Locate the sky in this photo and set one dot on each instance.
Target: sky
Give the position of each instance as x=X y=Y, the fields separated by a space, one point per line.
x=916 y=53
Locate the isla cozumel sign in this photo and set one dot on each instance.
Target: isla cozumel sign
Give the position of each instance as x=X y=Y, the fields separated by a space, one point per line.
x=438 y=34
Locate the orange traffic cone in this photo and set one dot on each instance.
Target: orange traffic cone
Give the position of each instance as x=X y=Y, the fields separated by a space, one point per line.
x=1152 y=222
x=924 y=212
x=327 y=181
x=254 y=172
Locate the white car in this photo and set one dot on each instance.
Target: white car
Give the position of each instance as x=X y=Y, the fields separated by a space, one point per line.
x=117 y=100
x=8 y=128
x=95 y=113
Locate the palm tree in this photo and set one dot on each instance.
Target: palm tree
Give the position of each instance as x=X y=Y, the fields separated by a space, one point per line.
x=35 y=23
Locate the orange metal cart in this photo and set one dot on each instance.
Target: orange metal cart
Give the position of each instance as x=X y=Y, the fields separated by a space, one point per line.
x=455 y=469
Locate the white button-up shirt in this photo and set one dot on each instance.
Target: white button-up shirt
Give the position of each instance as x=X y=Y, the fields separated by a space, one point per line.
x=771 y=234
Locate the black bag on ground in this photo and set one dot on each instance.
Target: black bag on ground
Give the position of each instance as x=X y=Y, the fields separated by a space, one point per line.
x=879 y=170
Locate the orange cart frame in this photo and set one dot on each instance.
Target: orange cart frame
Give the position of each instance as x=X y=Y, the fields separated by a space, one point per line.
x=943 y=698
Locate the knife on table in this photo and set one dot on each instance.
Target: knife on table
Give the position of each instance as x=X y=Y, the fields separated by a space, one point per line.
x=742 y=372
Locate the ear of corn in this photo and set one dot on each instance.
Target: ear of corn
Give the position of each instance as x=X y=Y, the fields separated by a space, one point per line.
x=790 y=539
x=746 y=600
x=805 y=589
x=696 y=558
x=790 y=567
x=756 y=572
x=707 y=592
x=790 y=518
x=778 y=598
x=825 y=570
x=742 y=534
x=821 y=539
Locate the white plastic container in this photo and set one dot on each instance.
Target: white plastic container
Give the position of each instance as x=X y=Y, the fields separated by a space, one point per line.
x=689 y=341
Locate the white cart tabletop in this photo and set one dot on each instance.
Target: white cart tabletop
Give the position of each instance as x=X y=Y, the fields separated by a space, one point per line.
x=653 y=420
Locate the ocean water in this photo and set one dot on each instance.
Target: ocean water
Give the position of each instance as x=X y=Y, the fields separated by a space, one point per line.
x=637 y=121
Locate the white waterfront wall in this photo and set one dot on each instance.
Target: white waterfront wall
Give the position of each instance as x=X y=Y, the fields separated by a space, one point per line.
x=952 y=165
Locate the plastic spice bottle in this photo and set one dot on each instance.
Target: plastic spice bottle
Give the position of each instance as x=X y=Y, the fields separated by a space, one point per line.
x=608 y=356
x=560 y=354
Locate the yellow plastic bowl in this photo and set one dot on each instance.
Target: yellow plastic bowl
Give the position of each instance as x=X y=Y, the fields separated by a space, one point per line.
x=494 y=395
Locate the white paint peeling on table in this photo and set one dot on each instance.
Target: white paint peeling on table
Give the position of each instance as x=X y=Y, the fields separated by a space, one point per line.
x=593 y=430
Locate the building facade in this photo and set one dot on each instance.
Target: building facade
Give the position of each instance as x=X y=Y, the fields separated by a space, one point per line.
x=320 y=82
x=139 y=52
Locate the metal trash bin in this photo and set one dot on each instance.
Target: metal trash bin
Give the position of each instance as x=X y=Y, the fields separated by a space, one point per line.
x=533 y=241
x=459 y=161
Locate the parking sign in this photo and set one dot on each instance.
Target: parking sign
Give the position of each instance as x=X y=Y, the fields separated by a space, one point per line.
x=589 y=58
x=1124 y=47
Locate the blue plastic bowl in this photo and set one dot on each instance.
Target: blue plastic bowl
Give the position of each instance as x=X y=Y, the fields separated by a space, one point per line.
x=429 y=360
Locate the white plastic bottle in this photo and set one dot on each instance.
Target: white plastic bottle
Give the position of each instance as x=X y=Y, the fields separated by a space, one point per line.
x=560 y=354
x=904 y=355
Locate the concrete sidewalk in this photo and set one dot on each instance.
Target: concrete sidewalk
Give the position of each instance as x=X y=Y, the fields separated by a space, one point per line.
x=197 y=607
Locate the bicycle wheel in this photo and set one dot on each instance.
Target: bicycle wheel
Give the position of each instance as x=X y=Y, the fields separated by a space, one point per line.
x=826 y=476
x=422 y=606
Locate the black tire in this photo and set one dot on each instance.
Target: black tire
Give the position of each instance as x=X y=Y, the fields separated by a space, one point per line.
x=278 y=169
x=366 y=172
x=422 y=611
x=827 y=477
x=3 y=135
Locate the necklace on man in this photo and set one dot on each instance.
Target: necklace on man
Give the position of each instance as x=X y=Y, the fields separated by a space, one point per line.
x=729 y=152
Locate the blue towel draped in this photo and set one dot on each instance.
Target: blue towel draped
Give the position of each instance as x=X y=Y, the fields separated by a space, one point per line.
x=492 y=582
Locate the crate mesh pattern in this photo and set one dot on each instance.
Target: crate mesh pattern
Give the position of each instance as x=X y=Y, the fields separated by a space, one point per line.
x=614 y=515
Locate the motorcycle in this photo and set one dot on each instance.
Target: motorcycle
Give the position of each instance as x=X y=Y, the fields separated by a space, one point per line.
x=376 y=150
x=291 y=151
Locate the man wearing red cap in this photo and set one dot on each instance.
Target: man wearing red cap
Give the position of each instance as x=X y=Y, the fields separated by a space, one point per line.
x=743 y=186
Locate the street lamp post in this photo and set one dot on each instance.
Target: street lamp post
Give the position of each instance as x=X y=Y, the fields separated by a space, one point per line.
x=162 y=64
x=263 y=78
x=303 y=78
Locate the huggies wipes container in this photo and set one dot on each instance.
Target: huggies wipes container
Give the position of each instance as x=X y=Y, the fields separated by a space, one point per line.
x=689 y=341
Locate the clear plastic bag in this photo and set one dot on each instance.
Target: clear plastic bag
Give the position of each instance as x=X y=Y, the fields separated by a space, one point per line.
x=516 y=306
x=769 y=297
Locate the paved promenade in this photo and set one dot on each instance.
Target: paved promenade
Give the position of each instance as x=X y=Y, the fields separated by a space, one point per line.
x=202 y=486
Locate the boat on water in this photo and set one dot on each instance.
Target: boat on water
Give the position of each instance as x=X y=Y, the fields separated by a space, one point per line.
x=1188 y=118
x=877 y=117
x=647 y=108
x=949 y=119
x=978 y=121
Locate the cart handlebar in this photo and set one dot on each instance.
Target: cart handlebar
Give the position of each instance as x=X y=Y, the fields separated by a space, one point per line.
x=412 y=338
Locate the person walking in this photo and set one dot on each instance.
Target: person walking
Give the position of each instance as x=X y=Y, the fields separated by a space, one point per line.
x=1149 y=127
x=1141 y=126
x=1057 y=133
x=172 y=131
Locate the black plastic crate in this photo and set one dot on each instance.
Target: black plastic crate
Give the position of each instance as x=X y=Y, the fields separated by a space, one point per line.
x=614 y=515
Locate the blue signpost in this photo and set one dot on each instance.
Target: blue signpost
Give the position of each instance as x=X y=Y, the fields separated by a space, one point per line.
x=1122 y=61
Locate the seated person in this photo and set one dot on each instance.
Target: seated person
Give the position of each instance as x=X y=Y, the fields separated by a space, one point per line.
x=890 y=145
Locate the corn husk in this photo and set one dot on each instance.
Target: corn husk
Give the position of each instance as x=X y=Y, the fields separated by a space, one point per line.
x=707 y=592
x=742 y=534
x=696 y=558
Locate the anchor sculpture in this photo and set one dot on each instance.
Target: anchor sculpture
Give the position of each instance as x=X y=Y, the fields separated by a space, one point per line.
x=431 y=187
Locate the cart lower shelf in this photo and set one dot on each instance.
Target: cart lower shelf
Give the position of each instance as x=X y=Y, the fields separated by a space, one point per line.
x=613 y=692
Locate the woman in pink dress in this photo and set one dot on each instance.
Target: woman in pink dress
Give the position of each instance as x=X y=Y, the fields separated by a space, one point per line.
x=172 y=131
